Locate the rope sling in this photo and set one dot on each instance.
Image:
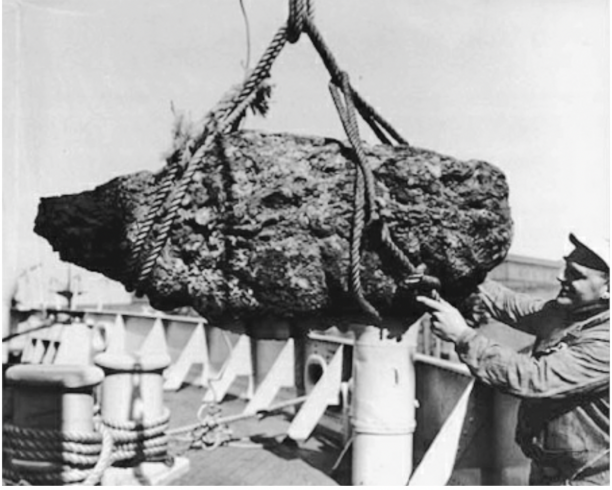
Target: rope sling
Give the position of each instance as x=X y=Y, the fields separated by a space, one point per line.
x=221 y=120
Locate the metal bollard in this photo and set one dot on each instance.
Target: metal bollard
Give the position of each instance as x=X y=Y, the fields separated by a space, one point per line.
x=52 y=406
x=133 y=386
x=134 y=414
x=54 y=397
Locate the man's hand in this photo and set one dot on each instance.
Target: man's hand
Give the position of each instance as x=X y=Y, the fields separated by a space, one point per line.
x=446 y=321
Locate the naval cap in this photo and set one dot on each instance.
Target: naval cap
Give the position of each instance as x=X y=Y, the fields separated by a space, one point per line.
x=592 y=252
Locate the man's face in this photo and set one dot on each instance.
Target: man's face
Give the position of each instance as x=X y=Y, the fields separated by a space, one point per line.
x=581 y=285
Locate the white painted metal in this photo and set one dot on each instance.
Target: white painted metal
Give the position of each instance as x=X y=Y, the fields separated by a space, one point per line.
x=382 y=411
x=438 y=463
x=279 y=376
x=75 y=346
x=326 y=389
x=155 y=341
x=238 y=364
x=383 y=407
x=132 y=388
x=195 y=351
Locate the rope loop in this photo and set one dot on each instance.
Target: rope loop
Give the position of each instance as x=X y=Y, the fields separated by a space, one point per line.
x=364 y=205
x=228 y=113
x=299 y=11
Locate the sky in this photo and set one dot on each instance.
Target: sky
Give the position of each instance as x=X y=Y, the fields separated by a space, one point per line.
x=88 y=88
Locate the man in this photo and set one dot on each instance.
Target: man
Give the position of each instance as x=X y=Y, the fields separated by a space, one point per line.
x=564 y=417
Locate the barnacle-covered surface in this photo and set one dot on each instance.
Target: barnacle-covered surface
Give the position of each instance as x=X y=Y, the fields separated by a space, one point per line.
x=264 y=228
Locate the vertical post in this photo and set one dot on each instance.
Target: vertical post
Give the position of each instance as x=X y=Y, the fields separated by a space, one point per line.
x=54 y=397
x=133 y=386
x=264 y=350
x=383 y=406
x=48 y=398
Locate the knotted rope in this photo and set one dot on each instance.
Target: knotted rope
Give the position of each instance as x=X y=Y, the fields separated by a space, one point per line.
x=364 y=207
x=231 y=109
x=69 y=458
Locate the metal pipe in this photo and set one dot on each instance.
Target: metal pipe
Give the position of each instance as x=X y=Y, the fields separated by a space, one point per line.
x=331 y=338
x=383 y=406
x=241 y=416
x=442 y=363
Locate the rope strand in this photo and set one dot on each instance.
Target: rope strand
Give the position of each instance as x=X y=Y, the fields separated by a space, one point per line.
x=82 y=458
x=219 y=119
x=362 y=196
x=229 y=111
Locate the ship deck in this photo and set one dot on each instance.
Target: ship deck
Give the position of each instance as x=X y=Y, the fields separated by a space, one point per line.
x=258 y=453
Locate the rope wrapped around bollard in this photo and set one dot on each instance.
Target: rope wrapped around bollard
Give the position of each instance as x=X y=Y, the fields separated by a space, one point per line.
x=48 y=457
x=137 y=441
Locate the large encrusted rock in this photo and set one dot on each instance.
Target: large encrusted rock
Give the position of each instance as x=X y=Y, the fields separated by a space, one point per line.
x=264 y=231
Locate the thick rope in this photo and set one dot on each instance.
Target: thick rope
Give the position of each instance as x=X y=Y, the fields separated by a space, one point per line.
x=369 y=114
x=299 y=11
x=363 y=195
x=106 y=458
x=139 y=441
x=82 y=458
x=231 y=109
x=25 y=444
x=221 y=118
x=161 y=195
x=74 y=458
x=372 y=117
x=376 y=121
x=51 y=436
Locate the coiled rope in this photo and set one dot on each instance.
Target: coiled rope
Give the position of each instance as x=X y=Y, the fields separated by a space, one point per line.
x=230 y=109
x=75 y=458
x=138 y=441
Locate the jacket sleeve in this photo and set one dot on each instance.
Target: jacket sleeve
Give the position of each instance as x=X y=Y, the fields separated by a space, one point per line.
x=514 y=309
x=581 y=368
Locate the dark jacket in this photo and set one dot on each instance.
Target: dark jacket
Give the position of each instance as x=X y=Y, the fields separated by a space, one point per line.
x=564 y=417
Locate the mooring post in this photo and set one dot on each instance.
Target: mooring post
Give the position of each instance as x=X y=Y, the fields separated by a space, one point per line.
x=51 y=404
x=54 y=397
x=383 y=406
x=133 y=386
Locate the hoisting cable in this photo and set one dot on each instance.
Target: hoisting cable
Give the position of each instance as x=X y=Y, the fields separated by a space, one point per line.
x=365 y=213
x=230 y=109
